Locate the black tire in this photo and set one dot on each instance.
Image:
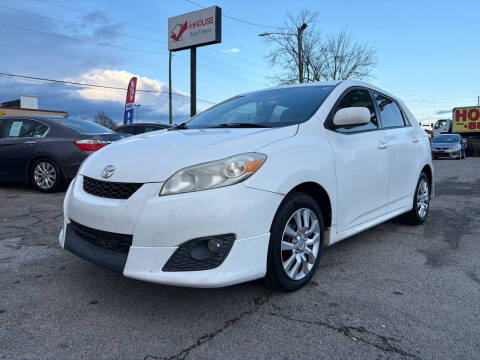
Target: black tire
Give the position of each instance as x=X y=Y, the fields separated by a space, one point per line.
x=51 y=167
x=276 y=275
x=412 y=217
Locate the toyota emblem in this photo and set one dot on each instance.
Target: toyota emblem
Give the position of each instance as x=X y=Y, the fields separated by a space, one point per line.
x=108 y=171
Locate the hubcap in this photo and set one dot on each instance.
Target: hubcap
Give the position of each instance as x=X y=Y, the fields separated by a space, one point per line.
x=300 y=244
x=44 y=175
x=423 y=198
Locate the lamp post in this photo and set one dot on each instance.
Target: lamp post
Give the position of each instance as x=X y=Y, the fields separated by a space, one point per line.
x=137 y=106
x=299 y=35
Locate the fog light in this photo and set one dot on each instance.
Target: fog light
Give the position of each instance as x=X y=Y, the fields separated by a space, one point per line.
x=213 y=245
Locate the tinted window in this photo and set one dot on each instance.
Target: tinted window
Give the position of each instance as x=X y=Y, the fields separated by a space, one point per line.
x=22 y=128
x=83 y=126
x=389 y=112
x=124 y=130
x=358 y=98
x=272 y=108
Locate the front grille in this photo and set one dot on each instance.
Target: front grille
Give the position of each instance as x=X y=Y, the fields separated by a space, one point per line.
x=112 y=241
x=111 y=190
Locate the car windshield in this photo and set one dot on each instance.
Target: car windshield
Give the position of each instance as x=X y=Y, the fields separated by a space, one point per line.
x=446 y=139
x=84 y=126
x=266 y=108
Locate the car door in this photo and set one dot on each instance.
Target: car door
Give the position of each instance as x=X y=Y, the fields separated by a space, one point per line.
x=18 y=138
x=404 y=151
x=361 y=164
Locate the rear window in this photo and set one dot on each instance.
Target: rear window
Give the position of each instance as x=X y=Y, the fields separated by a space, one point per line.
x=83 y=126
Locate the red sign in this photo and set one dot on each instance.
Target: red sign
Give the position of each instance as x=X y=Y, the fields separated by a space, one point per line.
x=132 y=85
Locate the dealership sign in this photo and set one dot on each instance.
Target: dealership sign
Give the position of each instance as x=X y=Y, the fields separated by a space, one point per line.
x=466 y=119
x=196 y=28
x=130 y=101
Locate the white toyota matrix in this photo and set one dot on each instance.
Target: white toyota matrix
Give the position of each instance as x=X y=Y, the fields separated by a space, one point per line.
x=253 y=187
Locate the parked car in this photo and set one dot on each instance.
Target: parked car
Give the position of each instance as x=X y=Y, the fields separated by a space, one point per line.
x=140 y=128
x=448 y=145
x=47 y=150
x=254 y=187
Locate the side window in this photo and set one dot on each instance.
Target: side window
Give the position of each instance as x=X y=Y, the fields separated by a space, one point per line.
x=358 y=98
x=22 y=128
x=4 y=128
x=389 y=112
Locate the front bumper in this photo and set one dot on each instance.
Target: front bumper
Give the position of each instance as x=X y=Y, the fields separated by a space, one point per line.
x=159 y=224
x=446 y=153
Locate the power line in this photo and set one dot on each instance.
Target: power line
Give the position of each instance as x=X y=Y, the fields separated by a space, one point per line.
x=81 y=25
x=237 y=19
x=27 y=77
x=100 y=16
x=116 y=33
x=79 y=39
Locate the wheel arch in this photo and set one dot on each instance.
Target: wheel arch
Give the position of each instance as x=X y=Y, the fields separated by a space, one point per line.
x=319 y=194
x=427 y=169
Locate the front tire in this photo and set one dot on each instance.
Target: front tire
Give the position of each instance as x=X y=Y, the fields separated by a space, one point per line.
x=421 y=202
x=295 y=243
x=45 y=175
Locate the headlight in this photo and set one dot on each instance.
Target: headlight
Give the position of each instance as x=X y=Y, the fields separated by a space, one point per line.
x=456 y=147
x=213 y=174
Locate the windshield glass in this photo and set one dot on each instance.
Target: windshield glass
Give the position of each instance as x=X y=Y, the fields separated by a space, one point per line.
x=266 y=108
x=84 y=126
x=446 y=139
x=440 y=123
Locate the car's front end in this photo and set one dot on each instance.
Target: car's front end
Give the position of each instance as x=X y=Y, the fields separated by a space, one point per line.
x=448 y=150
x=156 y=226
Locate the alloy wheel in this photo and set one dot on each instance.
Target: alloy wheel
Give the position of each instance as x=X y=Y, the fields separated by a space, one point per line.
x=45 y=175
x=300 y=244
x=423 y=198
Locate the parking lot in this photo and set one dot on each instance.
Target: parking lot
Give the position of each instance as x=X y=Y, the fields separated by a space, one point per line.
x=392 y=292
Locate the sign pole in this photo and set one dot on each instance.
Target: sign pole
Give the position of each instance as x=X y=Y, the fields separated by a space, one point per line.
x=193 y=81
x=169 y=87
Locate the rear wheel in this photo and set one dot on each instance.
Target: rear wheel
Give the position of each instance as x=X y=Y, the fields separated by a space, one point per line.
x=295 y=243
x=45 y=175
x=421 y=202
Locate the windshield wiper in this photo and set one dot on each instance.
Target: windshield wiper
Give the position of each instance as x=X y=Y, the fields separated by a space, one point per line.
x=240 y=125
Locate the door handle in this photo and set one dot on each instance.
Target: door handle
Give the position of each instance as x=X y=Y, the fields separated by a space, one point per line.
x=382 y=145
x=415 y=139
x=31 y=142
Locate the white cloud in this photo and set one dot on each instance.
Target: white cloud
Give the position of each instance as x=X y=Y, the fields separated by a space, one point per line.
x=120 y=78
x=232 y=50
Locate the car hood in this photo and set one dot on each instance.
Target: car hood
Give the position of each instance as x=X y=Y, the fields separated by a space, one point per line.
x=155 y=156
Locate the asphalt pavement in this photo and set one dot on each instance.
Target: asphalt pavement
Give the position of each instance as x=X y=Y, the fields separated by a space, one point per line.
x=392 y=292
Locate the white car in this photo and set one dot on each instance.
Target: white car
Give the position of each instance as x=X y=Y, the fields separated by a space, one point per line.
x=253 y=187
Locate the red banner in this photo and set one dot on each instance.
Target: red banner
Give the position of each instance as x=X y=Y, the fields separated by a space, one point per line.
x=132 y=85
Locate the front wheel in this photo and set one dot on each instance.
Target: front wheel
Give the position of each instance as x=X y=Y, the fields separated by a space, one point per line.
x=295 y=243
x=45 y=175
x=421 y=202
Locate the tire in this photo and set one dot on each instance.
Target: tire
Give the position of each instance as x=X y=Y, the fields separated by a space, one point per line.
x=414 y=216
x=293 y=252
x=46 y=176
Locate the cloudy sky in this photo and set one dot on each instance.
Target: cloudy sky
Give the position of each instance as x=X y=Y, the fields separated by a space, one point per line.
x=427 y=51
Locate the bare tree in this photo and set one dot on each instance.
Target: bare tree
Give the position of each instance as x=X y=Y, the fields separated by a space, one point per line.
x=346 y=59
x=102 y=119
x=332 y=57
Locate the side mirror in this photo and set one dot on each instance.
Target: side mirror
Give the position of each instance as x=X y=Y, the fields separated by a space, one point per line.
x=352 y=116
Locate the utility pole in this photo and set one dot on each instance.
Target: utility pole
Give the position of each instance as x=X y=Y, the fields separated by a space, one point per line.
x=478 y=101
x=299 y=36
x=169 y=87
x=137 y=106
x=300 y=55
